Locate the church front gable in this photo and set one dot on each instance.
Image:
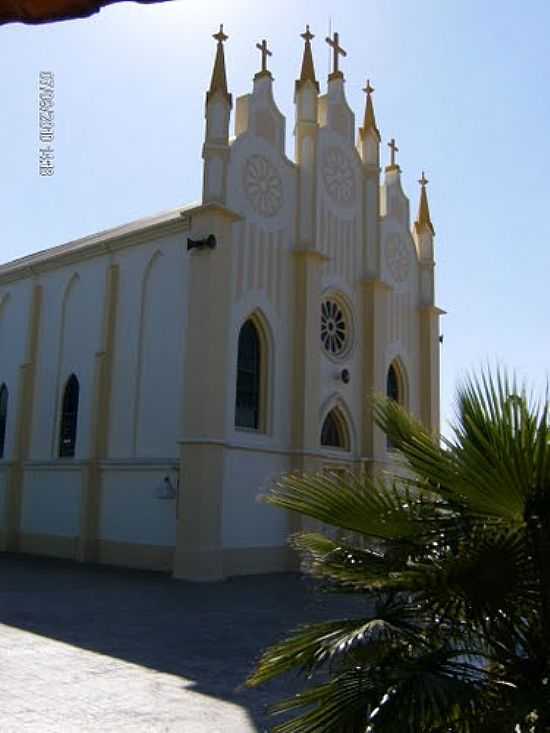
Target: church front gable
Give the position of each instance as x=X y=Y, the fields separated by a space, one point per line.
x=154 y=379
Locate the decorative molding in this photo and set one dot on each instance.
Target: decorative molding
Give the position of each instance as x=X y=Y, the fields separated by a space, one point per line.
x=398 y=258
x=339 y=176
x=262 y=185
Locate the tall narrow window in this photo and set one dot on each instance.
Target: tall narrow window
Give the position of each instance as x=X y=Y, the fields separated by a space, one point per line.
x=247 y=406
x=3 y=417
x=69 y=418
x=334 y=433
x=392 y=387
x=393 y=391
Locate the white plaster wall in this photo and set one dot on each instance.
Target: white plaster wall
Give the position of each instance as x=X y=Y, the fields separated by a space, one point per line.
x=131 y=511
x=146 y=409
x=160 y=360
x=51 y=501
x=262 y=277
x=279 y=374
x=69 y=338
x=15 y=301
x=247 y=522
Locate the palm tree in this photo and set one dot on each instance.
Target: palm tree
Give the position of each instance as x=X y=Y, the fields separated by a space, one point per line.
x=451 y=553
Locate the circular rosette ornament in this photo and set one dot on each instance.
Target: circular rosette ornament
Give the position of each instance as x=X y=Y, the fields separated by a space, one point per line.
x=338 y=176
x=397 y=258
x=263 y=185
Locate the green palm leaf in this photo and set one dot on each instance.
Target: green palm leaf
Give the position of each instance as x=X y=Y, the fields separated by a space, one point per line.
x=451 y=552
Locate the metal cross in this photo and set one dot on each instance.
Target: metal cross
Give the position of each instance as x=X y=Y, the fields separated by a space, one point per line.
x=265 y=53
x=307 y=36
x=220 y=35
x=368 y=89
x=394 y=149
x=336 y=50
x=423 y=181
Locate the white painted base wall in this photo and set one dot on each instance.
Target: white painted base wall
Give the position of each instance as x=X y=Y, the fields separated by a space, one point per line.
x=51 y=501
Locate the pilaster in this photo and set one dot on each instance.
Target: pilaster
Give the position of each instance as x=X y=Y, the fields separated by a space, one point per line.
x=429 y=367
x=308 y=263
x=376 y=296
x=23 y=423
x=198 y=554
x=91 y=481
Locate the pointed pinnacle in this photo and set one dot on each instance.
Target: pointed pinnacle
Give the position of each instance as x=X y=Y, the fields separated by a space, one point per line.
x=369 y=121
x=308 y=70
x=218 y=83
x=424 y=220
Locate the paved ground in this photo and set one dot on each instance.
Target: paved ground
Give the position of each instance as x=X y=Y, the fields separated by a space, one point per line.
x=89 y=649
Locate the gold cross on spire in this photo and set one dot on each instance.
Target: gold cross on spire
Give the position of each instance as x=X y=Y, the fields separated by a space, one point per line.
x=394 y=149
x=265 y=53
x=307 y=36
x=337 y=50
x=424 y=221
x=307 y=73
x=368 y=89
x=220 y=35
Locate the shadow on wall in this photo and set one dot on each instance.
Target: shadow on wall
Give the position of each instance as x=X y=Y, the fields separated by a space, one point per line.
x=208 y=634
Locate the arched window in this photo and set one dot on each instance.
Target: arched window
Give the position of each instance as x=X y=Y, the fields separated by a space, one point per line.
x=394 y=391
x=69 y=418
x=3 y=417
x=334 y=433
x=392 y=386
x=249 y=366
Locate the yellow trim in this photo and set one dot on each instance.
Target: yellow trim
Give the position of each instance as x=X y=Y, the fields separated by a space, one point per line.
x=256 y=560
x=48 y=545
x=91 y=492
x=23 y=423
x=135 y=555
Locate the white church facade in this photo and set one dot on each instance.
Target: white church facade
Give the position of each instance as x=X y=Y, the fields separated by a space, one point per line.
x=155 y=377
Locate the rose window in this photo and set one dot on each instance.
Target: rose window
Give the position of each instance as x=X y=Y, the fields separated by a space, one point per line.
x=334 y=328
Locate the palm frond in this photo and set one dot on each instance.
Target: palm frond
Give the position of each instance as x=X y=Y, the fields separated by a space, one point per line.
x=343 y=704
x=354 y=503
x=450 y=552
x=316 y=645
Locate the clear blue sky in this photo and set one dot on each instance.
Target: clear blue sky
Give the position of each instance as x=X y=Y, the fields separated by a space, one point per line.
x=462 y=86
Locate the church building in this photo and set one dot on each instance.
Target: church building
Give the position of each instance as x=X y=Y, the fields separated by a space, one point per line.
x=154 y=378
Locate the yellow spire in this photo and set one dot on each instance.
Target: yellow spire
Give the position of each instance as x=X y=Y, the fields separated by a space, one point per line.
x=369 y=122
x=218 y=83
x=424 y=220
x=308 y=70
